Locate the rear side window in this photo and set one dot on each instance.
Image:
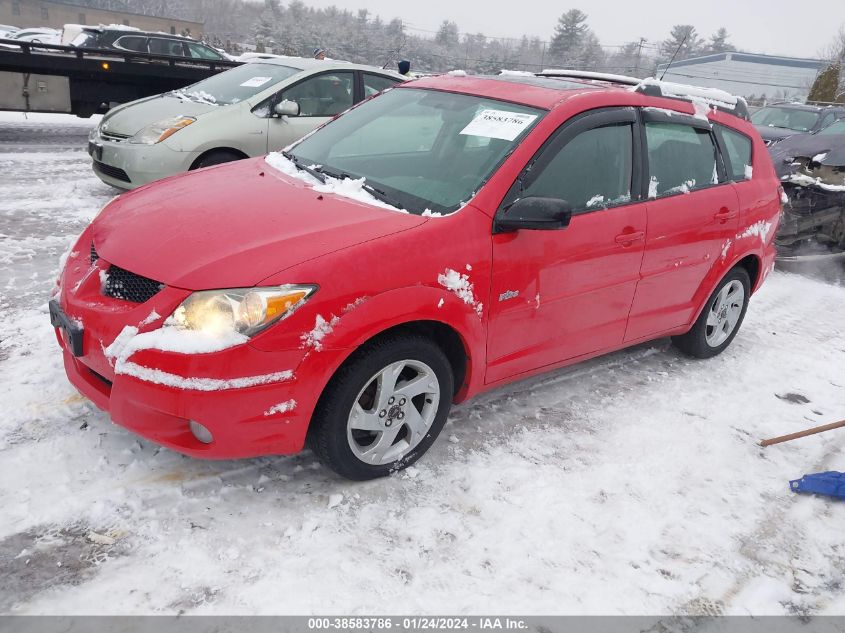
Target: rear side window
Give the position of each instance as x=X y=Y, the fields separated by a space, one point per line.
x=738 y=147
x=681 y=158
x=199 y=51
x=374 y=84
x=132 y=43
x=591 y=171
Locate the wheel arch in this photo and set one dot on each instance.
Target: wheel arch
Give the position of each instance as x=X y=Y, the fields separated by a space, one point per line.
x=752 y=264
x=213 y=150
x=433 y=312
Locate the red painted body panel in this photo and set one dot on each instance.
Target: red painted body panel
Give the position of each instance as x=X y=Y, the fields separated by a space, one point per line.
x=580 y=292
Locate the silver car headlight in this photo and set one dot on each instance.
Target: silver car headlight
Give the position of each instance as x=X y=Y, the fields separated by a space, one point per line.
x=157 y=132
x=244 y=311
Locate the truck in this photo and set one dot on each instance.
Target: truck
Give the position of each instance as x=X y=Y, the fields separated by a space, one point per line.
x=39 y=77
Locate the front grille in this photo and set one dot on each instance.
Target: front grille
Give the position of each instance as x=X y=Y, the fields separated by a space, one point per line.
x=115 y=172
x=122 y=284
x=113 y=136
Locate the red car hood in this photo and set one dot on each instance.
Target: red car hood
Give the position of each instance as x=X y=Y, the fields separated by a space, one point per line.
x=233 y=226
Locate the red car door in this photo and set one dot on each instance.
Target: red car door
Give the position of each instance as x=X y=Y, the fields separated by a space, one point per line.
x=559 y=294
x=693 y=215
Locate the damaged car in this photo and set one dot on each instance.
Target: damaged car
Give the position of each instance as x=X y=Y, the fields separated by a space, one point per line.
x=812 y=170
x=780 y=121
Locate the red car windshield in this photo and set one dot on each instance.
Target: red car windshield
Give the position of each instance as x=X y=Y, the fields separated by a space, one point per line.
x=425 y=149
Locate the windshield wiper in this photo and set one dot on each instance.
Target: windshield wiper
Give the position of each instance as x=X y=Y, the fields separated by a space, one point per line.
x=314 y=171
x=378 y=194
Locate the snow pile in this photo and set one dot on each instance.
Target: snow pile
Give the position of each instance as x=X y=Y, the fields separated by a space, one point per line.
x=457 y=73
x=701 y=108
x=282 y=407
x=197 y=96
x=428 y=213
x=182 y=341
x=516 y=73
x=168 y=339
x=684 y=187
x=460 y=284
x=346 y=188
x=152 y=317
x=807 y=181
x=760 y=229
x=652 y=187
x=596 y=201
x=158 y=377
x=322 y=329
x=725 y=248
x=353 y=188
x=819 y=157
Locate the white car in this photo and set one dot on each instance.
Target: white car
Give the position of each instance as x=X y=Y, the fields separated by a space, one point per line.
x=39 y=35
x=247 y=111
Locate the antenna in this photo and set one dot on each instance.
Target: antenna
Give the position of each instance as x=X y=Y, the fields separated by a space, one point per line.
x=677 y=50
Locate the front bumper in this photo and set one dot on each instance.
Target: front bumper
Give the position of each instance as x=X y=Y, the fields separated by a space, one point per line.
x=128 y=165
x=239 y=418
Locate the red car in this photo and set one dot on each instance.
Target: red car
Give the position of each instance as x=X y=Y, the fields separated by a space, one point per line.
x=449 y=236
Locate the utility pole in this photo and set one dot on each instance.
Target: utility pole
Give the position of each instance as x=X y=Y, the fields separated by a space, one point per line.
x=543 y=57
x=639 y=56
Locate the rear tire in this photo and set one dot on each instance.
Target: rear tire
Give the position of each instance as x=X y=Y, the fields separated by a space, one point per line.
x=217 y=157
x=384 y=407
x=720 y=319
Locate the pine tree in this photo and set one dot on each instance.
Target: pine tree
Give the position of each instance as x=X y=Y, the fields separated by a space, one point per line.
x=684 y=39
x=719 y=42
x=569 y=33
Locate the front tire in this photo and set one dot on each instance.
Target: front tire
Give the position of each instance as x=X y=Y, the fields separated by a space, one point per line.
x=217 y=157
x=720 y=319
x=384 y=407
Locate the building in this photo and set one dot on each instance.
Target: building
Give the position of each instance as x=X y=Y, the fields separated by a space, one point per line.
x=55 y=14
x=748 y=75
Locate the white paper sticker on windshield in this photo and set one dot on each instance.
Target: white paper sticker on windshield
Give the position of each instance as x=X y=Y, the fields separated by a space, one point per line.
x=498 y=124
x=254 y=82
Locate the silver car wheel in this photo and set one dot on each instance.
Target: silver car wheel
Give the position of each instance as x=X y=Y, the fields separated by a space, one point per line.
x=393 y=412
x=724 y=313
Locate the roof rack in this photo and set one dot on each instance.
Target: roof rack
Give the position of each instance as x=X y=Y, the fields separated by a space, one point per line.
x=587 y=74
x=650 y=86
x=719 y=99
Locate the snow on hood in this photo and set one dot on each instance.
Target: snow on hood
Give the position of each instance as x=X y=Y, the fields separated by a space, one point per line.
x=136 y=116
x=233 y=226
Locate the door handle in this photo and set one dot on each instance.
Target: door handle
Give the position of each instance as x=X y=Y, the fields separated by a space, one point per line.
x=724 y=215
x=626 y=239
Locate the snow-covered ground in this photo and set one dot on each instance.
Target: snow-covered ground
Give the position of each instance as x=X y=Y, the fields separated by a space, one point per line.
x=632 y=484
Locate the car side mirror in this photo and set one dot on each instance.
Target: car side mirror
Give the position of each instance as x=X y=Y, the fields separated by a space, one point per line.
x=534 y=213
x=286 y=108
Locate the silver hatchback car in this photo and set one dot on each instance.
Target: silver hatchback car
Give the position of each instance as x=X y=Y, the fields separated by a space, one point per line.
x=246 y=111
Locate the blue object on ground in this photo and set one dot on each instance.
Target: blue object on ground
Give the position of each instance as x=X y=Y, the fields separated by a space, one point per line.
x=830 y=483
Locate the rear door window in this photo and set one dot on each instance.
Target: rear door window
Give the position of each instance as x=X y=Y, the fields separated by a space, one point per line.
x=738 y=147
x=132 y=43
x=373 y=84
x=681 y=158
x=198 y=51
x=592 y=171
x=161 y=46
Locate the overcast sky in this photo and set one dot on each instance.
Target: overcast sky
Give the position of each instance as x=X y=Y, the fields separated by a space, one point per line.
x=783 y=27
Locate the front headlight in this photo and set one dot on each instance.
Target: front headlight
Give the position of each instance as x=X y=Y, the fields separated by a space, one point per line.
x=244 y=311
x=157 y=132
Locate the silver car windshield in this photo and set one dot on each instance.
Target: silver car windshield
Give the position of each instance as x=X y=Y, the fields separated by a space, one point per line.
x=422 y=149
x=237 y=84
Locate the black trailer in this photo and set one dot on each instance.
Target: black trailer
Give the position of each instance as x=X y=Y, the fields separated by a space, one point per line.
x=36 y=77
